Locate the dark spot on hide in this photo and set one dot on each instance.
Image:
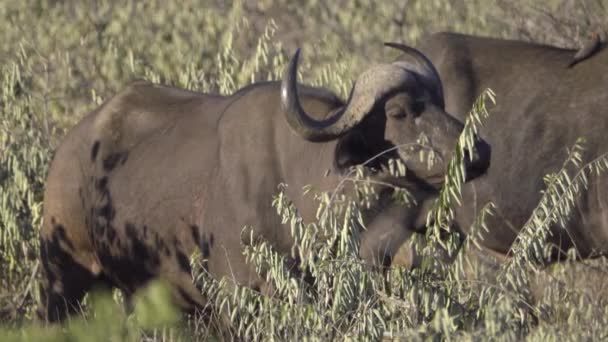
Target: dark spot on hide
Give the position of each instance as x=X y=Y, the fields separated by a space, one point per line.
x=94 y=150
x=60 y=235
x=104 y=213
x=194 y=232
x=131 y=261
x=61 y=271
x=206 y=244
x=131 y=231
x=138 y=247
x=102 y=183
x=111 y=161
x=100 y=227
x=111 y=234
x=161 y=246
x=183 y=261
x=107 y=211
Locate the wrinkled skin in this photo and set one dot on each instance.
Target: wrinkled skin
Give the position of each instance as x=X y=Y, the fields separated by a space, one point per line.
x=157 y=173
x=542 y=108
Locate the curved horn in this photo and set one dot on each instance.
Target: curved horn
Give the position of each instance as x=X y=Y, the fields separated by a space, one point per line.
x=371 y=86
x=310 y=129
x=420 y=64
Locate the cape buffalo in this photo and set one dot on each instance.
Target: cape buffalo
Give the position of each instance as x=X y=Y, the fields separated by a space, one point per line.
x=157 y=173
x=542 y=108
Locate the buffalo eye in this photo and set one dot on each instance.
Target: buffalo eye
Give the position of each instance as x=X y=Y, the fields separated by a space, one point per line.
x=418 y=107
x=396 y=112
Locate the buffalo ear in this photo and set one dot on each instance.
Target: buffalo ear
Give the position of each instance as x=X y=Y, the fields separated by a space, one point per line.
x=356 y=148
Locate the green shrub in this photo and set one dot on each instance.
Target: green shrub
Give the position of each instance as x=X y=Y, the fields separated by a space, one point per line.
x=106 y=320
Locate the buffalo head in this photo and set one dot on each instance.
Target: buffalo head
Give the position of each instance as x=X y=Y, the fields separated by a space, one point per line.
x=407 y=98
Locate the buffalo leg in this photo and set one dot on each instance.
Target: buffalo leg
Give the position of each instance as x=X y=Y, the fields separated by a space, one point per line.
x=384 y=236
x=65 y=280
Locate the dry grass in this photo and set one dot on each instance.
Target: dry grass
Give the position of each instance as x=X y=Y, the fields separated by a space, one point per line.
x=60 y=59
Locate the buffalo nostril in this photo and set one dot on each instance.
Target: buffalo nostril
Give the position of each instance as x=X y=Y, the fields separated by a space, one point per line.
x=478 y=162
x=471 y=159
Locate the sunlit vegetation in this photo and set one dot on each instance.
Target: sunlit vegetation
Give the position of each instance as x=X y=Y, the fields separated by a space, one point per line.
x=60 y=60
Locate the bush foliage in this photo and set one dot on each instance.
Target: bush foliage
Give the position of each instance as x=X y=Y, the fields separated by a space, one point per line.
x=61 y=59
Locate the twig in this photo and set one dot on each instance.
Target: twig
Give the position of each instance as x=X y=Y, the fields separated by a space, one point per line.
x=394 y=301
x=29 y=285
